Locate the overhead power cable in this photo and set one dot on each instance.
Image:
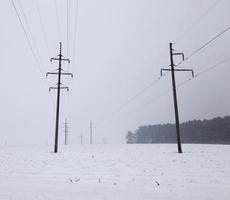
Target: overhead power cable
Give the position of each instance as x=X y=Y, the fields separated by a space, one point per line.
x=147 y=87
x=212 y=67
x=122 y=106
x=156 y=98
x=30 y=46
x=57 y=20
x=206 y=70
x=68 y=37
x=186 y=58
x=72 y=53
x=204 y=45
x=197 y=20
x=27 y=37
x=207 y=43
x=75 y=34
x=29 y=29
x=43 y=27
x=195 y=23
x=68 y=27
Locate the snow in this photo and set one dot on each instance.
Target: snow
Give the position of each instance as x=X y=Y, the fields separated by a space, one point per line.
x=135 y=172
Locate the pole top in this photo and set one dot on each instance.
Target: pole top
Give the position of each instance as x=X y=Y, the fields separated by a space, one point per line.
x=60 y=48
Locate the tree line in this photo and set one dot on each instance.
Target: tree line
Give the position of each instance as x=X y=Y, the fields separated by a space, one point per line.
x=214 y=131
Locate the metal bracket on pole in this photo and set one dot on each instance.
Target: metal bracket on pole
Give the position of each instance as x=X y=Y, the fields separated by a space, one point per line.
x=56 y=73
x=56 y=88
x=178 y=70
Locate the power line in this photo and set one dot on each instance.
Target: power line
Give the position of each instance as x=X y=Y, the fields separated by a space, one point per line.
x=68 y=37
x=122 y=106
x=196 y=22
x=68 y=27
x=189 y=28
x=57 y=20
x=207 y=43
x=29 y=29
x=192 y=54
x=206 y=70
x=204 y=45
x=30 y=45
x=74 y=48
x=197 y=75
x=43 y=27
x=147 y=87
x=150 y=85
x=75 y=33
x=186 y=58
x=27 y=37
x=154 y=99
x=134 y=97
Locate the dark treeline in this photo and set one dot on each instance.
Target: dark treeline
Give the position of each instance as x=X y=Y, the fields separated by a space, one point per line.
x=214 y=131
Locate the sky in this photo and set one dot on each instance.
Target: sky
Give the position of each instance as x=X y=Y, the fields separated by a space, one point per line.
x=116 y=49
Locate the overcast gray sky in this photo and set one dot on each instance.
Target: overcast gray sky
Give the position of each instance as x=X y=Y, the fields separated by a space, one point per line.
x=119 y=48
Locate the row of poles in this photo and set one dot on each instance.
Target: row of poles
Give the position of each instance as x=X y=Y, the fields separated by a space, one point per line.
x=59 y=87
x=67 y=130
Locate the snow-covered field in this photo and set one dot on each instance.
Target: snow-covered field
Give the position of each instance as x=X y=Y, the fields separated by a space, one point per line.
x=119 y=172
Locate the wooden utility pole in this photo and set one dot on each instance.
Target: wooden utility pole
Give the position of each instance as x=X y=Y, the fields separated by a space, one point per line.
x=66 y=128
x=81 y=138
x=58 y=88
x=91 y=132
x=175 y=93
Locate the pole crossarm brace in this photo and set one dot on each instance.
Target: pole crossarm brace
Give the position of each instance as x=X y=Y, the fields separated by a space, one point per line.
x=56 y=73
x=178 y=70
x=62 y=59
x=179 y=54
x=56 y=88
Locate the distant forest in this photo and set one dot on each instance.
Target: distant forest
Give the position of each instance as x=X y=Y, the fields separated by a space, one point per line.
x=214 y=131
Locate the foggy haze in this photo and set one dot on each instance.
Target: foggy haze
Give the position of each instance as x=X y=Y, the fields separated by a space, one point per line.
x=118 y=49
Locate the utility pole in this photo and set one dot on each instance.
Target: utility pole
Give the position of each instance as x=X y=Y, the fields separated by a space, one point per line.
x=66 y=129
x=81 y=138
x=104 y=141
x=58 y=88
x=91 y=132
x=174 y=91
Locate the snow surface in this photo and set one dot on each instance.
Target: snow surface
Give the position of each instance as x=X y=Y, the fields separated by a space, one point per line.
x=153 y=171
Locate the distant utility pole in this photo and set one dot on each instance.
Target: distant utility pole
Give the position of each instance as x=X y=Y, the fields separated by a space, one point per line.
x=91 y=132
x=81 y=138
x=58 y=88
x=66 y=129
x=174 y=91
x=104 y=141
